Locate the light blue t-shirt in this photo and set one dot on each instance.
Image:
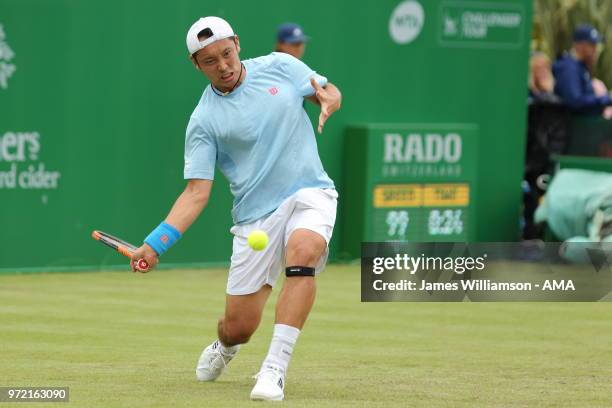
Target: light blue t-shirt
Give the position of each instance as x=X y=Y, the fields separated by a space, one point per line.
x=259 y=135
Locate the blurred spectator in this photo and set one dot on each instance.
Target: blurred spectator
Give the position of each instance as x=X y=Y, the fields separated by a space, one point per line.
x=601 y=90
x=290 y=39
x=546 y=135
x=573 y=73
x=541 y=80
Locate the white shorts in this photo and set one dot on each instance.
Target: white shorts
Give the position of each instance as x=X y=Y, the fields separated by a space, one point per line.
x=310 y=208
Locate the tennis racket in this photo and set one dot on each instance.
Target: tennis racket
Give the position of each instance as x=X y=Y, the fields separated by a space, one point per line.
x=119 y=245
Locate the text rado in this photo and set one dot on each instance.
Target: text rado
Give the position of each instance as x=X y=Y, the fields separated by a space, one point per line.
x=422 y=148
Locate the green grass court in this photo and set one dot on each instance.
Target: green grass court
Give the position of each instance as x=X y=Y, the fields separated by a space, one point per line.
x=123 y=340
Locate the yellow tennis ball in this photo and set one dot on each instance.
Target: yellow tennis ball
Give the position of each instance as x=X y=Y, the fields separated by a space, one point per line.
x=258 y=240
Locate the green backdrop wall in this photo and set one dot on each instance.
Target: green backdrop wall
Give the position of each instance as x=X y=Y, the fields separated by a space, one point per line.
x=95 y=97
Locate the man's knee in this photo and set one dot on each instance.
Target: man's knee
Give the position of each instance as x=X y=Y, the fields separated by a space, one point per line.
x=232 y=332
x=304 y=254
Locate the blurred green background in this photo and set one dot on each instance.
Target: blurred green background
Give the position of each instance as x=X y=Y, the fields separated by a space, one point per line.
x=108 y=89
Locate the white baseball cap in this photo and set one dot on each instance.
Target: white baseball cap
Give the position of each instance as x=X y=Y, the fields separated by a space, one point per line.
x=219 y=27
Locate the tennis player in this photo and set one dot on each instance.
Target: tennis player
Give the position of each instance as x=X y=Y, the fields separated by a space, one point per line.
x=250 y=123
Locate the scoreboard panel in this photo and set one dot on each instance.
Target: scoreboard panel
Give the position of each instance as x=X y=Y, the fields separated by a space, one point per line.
x=410 y=182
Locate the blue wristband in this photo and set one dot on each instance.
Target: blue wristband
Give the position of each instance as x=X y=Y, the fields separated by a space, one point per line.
x=162 y=238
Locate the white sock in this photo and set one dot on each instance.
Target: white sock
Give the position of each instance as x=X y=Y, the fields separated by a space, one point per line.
x=281 y=347
x=228 y=351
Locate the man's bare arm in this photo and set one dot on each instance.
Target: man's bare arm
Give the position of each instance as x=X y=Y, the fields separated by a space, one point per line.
x=328 y=97
x=189 y=204
x=186 y=209
x=328 y=87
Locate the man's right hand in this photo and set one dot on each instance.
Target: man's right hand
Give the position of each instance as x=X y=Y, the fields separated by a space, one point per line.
x=148 y=254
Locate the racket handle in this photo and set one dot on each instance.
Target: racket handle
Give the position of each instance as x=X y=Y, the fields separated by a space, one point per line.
x=124 y=251
x=141 y=265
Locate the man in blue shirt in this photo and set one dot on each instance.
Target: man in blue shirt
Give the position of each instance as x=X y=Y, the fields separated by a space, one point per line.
x=250 y=123
x=573 y=73
x=290 y=39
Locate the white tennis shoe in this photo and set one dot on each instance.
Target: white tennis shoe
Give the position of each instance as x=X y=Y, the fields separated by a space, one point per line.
x=270 y=384
x=212 y=362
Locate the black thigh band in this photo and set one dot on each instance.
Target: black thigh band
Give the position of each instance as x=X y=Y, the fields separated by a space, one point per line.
x=299 y=271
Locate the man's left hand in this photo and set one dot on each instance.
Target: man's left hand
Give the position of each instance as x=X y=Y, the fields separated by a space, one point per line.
x=330 y=100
